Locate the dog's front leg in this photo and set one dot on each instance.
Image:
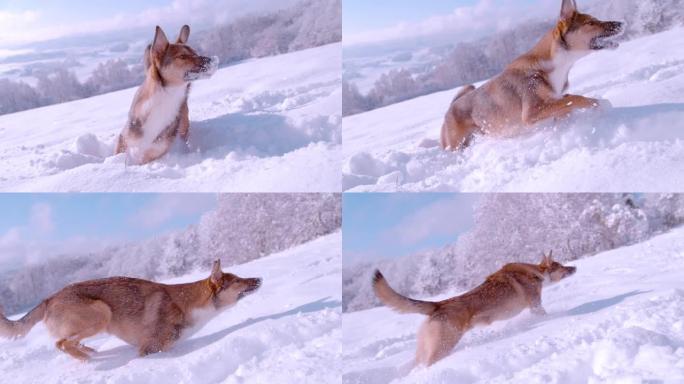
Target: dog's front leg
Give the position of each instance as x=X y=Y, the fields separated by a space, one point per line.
x=184 y=123
x=536 y=305
x=539 y=310
x=561 y=108
x=120 y=145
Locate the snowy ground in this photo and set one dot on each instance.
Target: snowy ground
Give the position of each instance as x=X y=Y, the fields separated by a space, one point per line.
x=619 y=319
x=288 y=331
x=268 y=125
x=637 y=145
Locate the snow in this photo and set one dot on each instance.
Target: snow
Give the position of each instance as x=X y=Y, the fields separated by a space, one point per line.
x=288 y=331
x=619 y=319
x=267 y=125
x=634 y=145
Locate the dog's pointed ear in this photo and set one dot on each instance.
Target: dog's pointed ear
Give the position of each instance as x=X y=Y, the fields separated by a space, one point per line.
x=183 y=35
x=216 y=272
x=147 y=60
x=550 y=256
x=160 y=42
x=545 y=260
x=568 y=9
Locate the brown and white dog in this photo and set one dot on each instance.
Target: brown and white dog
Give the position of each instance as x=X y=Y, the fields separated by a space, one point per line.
x=148 y=315
x=159 y=111
x=503 y=295
x=532 y=88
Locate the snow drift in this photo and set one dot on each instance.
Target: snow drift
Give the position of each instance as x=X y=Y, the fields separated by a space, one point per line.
x=271 y=124
x=634 y=145
x=618 y=319
x=288 y=331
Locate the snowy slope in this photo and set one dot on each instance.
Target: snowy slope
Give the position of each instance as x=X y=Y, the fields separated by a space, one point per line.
x=619 y=319
x=636 y=145
x=264 y=125
x=287 y=331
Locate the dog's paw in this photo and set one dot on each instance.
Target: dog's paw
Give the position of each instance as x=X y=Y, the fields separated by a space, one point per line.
x=604 y=104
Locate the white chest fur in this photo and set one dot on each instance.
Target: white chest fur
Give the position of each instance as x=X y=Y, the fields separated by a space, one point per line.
x=559 y=69
x=161 y=109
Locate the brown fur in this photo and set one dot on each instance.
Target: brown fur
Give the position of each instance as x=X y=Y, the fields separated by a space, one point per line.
x=531 y=89
x=167 y=66
x=503 y=295
x=143 y=313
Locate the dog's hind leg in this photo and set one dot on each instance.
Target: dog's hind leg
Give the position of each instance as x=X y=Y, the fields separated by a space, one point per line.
x=163 y=322
x=457 y=131
x=436 y=339
x=74 y=322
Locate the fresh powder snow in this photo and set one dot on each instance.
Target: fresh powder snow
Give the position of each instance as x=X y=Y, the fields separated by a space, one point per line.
x=635 y=144
x=267 y=125
x=289 y=331
x=619 y=319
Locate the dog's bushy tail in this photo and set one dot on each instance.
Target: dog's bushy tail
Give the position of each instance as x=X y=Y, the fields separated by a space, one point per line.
x=399 y=303
x=15 y=329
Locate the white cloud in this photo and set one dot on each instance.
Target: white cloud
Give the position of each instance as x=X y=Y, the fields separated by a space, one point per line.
x=33 y=25
x=166 y=207
x=479 y=19
x=40 y=218
x=444 y=217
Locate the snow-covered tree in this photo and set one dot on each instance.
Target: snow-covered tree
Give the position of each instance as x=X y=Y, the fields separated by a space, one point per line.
x=17 y=96
x=114 y=75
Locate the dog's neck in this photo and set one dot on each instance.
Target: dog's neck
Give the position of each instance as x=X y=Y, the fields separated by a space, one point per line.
x=194 y=295
x=556 y=60
x=558 y=68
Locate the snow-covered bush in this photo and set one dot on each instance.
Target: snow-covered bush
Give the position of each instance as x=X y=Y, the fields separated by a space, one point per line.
x=642 y=17
x=114 y=75
x=17 y=96
x=519 y=228
x=60 y=86
x=249 y=226
x=307 y=24
x=243 y=227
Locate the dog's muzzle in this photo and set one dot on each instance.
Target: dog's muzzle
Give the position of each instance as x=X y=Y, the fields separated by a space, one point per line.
x=612 y=30
x=254 y=285
x=206 y=69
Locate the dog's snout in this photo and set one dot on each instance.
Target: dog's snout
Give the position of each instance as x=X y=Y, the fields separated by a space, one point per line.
x=572 y=270
x=616 y=26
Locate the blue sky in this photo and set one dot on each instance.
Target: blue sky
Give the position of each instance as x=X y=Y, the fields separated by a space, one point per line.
x=32 y=224
x=79 y=10
x=366 y=22
x=383 y=226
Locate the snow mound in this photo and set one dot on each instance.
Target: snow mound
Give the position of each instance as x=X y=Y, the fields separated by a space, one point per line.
x=289 y=331
x=267 y=125
x=619 y=319
x=635 y=145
